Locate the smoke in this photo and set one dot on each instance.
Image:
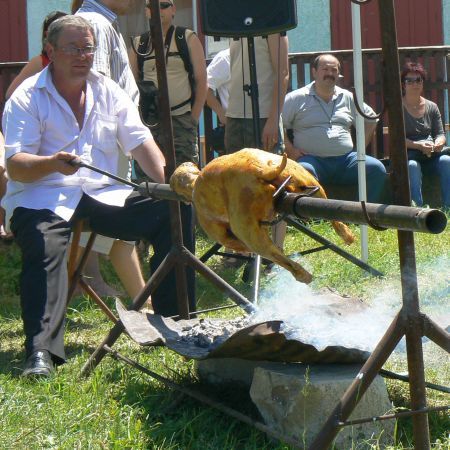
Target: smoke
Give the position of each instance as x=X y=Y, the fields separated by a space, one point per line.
x=324 y=318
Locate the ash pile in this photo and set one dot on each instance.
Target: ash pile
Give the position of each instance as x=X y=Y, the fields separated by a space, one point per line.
x=244 y=338
x=211 y=334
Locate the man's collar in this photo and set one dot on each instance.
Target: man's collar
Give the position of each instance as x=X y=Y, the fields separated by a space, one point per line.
x=99 y=7
x=311 y=90
x=45 y=79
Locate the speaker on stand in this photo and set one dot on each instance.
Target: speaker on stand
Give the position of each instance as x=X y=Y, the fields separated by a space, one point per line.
x=248 y=19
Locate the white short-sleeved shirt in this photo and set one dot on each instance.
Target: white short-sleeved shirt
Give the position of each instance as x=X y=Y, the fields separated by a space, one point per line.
x=218 y=72
x=37 y=120
x=321 y=129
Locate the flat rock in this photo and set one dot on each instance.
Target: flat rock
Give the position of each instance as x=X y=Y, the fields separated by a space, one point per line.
x=297 y=399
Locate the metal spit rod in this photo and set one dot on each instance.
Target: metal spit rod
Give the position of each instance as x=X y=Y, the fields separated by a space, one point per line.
x=423 y=220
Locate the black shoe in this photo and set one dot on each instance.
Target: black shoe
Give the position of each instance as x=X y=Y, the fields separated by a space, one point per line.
x=38 y=364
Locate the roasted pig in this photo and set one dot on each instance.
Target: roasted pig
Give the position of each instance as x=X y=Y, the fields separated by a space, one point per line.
x=233 y=198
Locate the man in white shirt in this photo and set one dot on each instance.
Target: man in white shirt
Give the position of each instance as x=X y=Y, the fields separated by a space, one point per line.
x=65 y=112
x=219 y=78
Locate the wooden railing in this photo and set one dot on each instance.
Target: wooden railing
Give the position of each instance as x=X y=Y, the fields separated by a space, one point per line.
x=436 y=61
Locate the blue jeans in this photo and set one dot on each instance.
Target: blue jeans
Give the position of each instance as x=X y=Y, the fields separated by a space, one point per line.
x=343 y=170
x=439 y=166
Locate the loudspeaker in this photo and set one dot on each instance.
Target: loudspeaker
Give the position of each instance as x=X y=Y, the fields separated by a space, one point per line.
x=246 y=18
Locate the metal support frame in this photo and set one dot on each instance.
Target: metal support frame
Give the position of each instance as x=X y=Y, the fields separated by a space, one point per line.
x=409 y=321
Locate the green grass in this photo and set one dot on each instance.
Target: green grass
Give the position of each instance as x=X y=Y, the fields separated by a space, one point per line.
x=118 y=407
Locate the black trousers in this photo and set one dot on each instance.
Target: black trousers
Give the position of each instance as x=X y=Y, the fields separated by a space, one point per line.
x=43 y=238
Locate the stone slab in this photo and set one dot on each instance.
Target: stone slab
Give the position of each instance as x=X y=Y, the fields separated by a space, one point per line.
x=232 y=370
x=297 y=399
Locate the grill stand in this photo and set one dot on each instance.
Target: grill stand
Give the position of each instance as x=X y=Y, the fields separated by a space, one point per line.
x=409 y=321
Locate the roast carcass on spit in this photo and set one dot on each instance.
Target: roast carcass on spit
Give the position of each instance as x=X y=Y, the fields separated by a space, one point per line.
x=233 y=198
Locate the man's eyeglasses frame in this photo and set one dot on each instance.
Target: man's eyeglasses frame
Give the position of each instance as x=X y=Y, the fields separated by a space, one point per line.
x=78 y=51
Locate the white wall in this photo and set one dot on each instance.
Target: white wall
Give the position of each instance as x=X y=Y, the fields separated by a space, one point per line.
x=36 y=12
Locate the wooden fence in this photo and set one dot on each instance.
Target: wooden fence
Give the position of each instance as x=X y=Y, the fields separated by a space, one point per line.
x=436 y=61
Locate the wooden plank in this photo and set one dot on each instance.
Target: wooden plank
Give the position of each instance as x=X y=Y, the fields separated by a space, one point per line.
x=13 y=30
x=419 y=23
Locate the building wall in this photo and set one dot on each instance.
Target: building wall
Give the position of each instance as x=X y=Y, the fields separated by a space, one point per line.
x=446 y=20
x=36 y=12
x=312 y=33
x=313 y=29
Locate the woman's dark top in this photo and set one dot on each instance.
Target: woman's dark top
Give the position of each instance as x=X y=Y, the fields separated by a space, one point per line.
x=426 y=128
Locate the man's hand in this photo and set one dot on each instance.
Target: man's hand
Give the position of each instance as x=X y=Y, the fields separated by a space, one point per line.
x=293 y=153
x=270 y=134
x=65 y=163
x=439 y=144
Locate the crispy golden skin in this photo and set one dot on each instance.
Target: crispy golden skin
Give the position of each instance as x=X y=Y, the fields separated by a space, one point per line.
x=233 y=198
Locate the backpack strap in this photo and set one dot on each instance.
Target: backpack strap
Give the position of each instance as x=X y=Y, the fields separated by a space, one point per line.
x=144 y=41
x=183 y=50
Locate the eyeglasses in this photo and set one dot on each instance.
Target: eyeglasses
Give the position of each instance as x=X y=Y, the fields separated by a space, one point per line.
x=165 y=5
x=79 y=51
x=411 y=80
x=162 y=5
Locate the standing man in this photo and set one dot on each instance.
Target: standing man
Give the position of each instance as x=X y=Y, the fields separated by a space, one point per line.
x=111 y=57
x=272 y=71
x=186 y=79
x=219 y=78
x=65 y=112
x=321 y=115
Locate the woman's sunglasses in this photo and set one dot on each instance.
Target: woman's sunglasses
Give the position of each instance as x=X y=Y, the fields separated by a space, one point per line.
x=162 y=5
x=411 y=80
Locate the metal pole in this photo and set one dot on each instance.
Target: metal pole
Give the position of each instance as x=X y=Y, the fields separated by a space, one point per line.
x=115 y=332
x=401 y=196
x=360 y=131
x=378 y=215
x=169 y=153
x=359 y=385
x=384 y=216
x=253 y=91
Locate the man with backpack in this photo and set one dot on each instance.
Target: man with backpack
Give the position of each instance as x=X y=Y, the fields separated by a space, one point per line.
x=186 y=78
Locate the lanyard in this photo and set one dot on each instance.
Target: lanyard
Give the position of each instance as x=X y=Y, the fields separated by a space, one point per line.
x=329 y=117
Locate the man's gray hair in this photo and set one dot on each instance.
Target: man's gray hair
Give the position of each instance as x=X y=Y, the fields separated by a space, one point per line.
x=62 y=23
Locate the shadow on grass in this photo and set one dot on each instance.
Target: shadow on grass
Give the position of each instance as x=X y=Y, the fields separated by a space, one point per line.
x=12 y=362
x=169 y=415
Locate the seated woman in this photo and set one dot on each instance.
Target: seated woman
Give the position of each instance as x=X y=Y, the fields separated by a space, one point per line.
x=425 y=136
